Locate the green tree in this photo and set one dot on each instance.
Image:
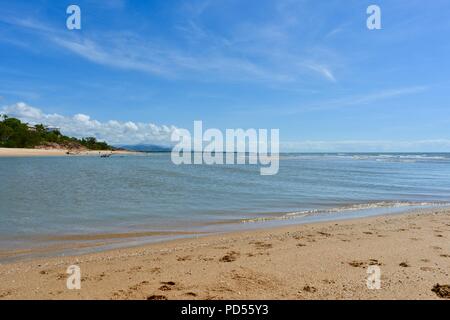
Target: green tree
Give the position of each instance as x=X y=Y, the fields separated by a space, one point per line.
x=15 y=134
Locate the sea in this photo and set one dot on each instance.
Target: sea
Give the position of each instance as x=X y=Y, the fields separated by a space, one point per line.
x=80 y=204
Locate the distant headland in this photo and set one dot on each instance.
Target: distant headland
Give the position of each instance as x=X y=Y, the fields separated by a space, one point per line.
x=22 y=139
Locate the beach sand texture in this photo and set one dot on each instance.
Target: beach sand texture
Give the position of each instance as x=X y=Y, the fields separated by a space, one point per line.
x=314 y=261
x=23 y=152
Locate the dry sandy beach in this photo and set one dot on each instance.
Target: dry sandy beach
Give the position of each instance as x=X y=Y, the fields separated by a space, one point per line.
x=23 y=152
x=315 y=261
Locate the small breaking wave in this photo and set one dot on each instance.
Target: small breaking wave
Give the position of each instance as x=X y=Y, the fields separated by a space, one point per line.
x=347 y=208
x=381 y=157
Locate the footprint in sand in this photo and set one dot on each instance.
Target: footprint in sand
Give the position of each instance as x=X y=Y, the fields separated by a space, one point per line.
x=165 y=288
x=155 y=270
x=426 y=269
x=325 y=234
x=138 y=286
x=99 y=277
x=261 y=245
x=229 y=257
x=185 y=258
x=357 y=264
x=327 y=281
x=363 y=264
x=5 y=294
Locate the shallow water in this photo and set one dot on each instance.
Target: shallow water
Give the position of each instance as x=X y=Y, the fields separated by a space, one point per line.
x=56 y=196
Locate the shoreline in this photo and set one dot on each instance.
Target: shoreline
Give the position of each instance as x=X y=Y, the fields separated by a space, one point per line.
x=26 y=152
x=321 y=260
x=72 y=244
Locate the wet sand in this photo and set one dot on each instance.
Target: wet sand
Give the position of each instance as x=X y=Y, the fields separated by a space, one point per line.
x=314 y=261
x=19 y=152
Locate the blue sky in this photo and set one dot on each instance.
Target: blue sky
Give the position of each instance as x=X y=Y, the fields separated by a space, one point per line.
x=310 y=68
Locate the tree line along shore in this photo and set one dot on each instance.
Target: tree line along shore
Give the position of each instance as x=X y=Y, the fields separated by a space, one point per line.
x=16 y=134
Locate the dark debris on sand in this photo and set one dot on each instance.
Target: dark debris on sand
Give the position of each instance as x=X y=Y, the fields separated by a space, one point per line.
x=442 y=291
x=229 y=257
x=156 y=297
x=404 y=265
x=309 y=289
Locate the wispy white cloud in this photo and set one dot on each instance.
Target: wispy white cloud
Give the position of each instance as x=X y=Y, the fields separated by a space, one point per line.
x=249 y=53
x=322 y=70
x=358 y=100
x=423 y=145
x=81 y=125
x=131 y=52
x=115 y=57
x=334 y=32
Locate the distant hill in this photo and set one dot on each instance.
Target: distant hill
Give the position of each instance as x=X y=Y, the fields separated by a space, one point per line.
x=16 y=134
x=146 y=148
